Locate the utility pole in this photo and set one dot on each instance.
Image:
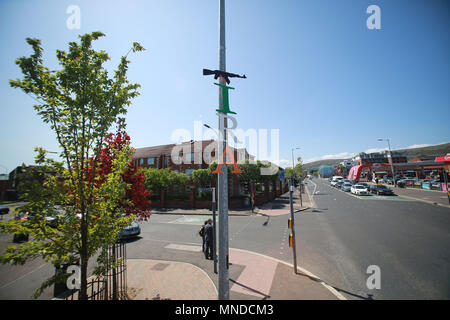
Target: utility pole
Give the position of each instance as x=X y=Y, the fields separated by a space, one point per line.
x=292 y=225
x=222 y=179
x=294 y=176
x=392 y=160
x=214 y=229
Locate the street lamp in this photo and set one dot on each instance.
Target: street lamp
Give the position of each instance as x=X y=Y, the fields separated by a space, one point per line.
x=293 y=167
x=392 y=160
x=294 y=176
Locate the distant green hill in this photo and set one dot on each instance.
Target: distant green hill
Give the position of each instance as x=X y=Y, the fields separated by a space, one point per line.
x=316 y=164
x=422 y=152
x=431 y=151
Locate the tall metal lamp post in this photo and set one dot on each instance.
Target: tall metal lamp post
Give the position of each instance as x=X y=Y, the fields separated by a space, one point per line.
x=392 y=160
x=294 y=175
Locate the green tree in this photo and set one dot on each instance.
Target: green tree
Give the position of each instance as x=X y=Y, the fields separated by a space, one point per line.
x=250 y=172
x=159 y=179
x=202 y=177
x=179 y=178
x=156 y=179
x=80 y=102
x=299 y=171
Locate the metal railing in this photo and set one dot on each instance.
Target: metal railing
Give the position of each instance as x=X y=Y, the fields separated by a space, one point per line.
x=112 y=285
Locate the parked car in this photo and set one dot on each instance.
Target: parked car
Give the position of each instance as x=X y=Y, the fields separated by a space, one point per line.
x=3 y=209
x=435 y=183
x=131 y=231
x=388 y=180
x=405 y=181
x=359 y=189
x=346 y=186
x=21 y=237
x=52 y=216
x=339 y=184
x=335 y=180
x=364 y=184
x=380 y=189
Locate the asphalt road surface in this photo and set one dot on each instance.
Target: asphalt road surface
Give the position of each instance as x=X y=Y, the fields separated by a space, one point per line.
x=408 y=240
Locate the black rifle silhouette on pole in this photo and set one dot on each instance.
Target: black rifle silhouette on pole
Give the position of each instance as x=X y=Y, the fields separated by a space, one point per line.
x=223 y=74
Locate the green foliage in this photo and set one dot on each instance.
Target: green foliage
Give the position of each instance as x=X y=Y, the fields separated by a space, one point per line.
x=159 y=179
x=251 y=172
x=299 y=171
x=202 y=177
x=81 y=103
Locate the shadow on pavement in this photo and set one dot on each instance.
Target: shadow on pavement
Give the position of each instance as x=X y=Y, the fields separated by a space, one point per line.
x=131 y=240
x=250 y=289
x=369 y=296
x=267 y=221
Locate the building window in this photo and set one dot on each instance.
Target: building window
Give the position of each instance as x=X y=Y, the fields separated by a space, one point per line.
x=167 y=161
x=189 y=157
x=151 y=161
x=189 y=171
x=141 y=162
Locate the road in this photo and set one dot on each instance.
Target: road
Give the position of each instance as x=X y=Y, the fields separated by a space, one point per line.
x=408 y=240
x=337 y=241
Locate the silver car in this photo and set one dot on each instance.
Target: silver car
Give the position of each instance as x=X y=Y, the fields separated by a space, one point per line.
x=346 y=186
x=133 y=230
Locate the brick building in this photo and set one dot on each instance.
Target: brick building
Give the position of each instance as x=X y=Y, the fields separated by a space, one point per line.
x=192 y=155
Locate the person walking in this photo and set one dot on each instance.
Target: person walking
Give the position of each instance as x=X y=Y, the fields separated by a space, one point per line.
x=209 y=239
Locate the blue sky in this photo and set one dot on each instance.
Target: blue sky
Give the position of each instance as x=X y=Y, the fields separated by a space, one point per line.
x=315 y=71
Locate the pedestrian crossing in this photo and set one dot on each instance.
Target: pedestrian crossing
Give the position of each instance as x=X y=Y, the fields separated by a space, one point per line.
x=191 y=220
x=184 y=247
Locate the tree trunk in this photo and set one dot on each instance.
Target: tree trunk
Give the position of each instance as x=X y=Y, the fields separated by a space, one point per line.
x=114 y=273
x=84 y=259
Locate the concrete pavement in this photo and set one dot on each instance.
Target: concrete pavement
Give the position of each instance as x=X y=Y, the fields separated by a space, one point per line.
x=252 y=277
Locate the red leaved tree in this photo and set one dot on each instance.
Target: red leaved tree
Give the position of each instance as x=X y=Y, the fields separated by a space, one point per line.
x=137 y=197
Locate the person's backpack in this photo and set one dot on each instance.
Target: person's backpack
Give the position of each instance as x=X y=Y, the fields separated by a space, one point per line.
x=201 y=231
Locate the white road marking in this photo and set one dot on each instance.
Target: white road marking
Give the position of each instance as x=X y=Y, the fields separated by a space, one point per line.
x=330 y=288
x=183 y=247
x=9 y=283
